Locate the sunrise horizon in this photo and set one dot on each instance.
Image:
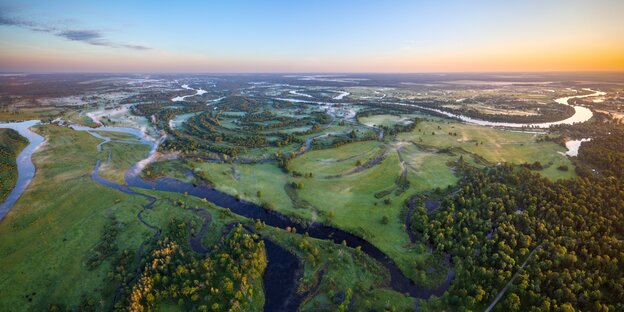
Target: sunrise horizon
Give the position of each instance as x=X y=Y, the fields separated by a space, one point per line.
x=324 y=37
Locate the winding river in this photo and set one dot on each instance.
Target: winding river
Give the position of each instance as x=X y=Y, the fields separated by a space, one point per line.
x=581 y=114
x=25 y=166
x=199 y=91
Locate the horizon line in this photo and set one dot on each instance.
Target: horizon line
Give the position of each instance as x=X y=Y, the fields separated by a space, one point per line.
x=615 y=71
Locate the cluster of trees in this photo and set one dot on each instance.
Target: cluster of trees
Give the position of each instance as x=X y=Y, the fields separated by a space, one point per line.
x=534 y=166
x=11 y=142
x=603 y=154
x=107 y=246
x=224 y=280
x=204 y=132
x=398 y=128
x=500 y=215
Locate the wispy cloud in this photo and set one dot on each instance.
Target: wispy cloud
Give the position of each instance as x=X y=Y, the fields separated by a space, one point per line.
x=92 y=37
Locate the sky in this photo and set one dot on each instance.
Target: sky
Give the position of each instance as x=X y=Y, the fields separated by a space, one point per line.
x=311 y=36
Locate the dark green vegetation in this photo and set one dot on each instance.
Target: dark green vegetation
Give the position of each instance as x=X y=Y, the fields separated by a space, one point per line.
x=501 y=215
x=249 y=128
x=229 y=279
x=11 y=144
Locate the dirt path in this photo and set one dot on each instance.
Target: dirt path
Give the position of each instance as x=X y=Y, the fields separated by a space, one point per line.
x=513 y=278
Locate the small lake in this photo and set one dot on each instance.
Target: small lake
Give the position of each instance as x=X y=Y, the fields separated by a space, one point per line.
x=573 y=146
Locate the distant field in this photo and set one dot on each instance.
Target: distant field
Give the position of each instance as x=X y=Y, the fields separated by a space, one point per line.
x=495 y=146
x=387 y=120
x=30 y=113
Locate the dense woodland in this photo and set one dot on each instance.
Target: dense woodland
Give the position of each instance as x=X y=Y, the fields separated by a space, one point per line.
x=11 y=142
x=570 y=232
x=229 y=278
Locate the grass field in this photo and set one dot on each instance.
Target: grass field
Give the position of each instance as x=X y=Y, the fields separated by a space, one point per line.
x=30 y=113
x=246 y=180
x=349 y=202
x=79 y=118
x=57 y=221
x=495 y=146
x=339 y=195
x=116 y=158
x=387 y=120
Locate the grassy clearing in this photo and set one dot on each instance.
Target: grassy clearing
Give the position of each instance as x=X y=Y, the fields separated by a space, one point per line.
x=246 y=180
x=48 y=234
x=387 y=120
x=495 y=146
x=349 y=203
x=330 y=162
x=428 y=170
x=30 y=113
x=78 y=117
x=116 y=158
x=171 y=168
x=118 y=136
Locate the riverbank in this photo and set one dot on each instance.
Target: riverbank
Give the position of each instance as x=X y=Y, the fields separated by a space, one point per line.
x=24 y=165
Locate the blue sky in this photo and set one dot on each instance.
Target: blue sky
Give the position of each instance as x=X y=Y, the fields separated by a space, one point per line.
x=310 y=36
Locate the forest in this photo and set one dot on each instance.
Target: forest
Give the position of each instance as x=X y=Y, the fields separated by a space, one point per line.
x=569 y=233
x=11 y=143
x=227 y=279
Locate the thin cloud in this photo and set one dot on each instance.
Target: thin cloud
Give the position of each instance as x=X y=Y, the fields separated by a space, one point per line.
x=135 y=47
x=92 y=37
x=81 y=35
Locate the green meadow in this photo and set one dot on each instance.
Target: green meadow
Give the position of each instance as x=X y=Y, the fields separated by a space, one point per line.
x=493 y=145
x=55 y=224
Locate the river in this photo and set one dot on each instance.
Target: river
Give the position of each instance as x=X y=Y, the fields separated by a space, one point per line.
x=25 y=167
x=581 y=114
x=199 y=91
